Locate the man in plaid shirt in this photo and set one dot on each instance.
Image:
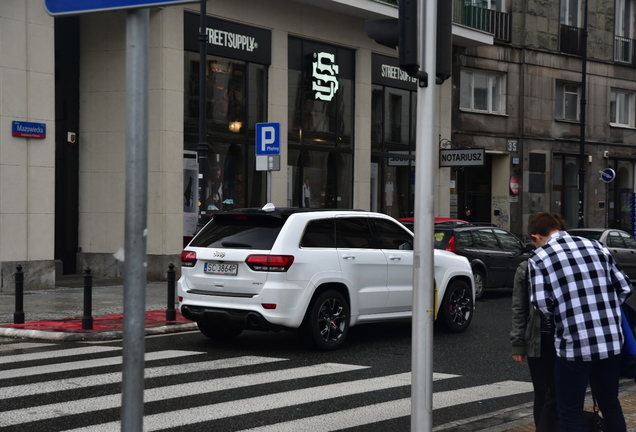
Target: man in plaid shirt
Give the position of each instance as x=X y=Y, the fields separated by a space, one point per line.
x=577 y=283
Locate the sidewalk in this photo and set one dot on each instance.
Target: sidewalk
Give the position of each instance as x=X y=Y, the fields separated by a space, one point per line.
x=56 y=315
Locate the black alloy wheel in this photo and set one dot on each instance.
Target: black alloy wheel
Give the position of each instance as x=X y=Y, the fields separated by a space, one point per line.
x=326 y=323
x=478 y=277
x=457 y=307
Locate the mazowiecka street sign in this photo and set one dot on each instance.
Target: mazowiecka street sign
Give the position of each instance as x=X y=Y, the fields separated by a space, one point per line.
x=74 y=7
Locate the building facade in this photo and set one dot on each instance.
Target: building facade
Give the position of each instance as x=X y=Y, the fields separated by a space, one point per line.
x=347 y=118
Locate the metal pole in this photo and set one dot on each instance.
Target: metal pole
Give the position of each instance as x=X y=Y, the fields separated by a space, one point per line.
x=581 y=223
x=87 y=319
x=202 y=147
x=132 y=408
x=18 y=315
x=171 y=313
x=425 y=172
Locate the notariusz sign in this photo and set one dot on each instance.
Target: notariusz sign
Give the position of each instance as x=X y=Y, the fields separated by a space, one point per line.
x=464 y=157
x=28 y=129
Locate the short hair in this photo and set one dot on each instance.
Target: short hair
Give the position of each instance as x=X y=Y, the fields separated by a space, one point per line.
x=543 y=223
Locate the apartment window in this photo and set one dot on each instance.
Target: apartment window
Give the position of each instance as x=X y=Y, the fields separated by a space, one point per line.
x=567 y=105
x=622 y=108
x=482 y=91
x=624 y=31
x=571 y=12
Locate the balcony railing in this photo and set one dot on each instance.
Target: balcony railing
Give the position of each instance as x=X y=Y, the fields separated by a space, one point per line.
x=624 y=50
x=570 y=40
x=472 y=13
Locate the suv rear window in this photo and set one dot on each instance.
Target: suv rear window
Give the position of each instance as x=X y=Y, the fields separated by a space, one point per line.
x=248 y=231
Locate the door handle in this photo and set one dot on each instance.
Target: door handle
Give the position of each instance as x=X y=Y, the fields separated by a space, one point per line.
x=348 y=257
x=395 y=257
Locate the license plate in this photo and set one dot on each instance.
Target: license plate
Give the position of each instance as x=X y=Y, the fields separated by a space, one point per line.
x=221 y=269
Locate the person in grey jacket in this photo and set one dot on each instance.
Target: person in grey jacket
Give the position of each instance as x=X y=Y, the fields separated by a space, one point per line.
x=532 y=338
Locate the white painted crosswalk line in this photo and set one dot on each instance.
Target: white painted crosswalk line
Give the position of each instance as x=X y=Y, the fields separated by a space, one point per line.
x=85 y=406
x=394 y=409
x=261 y=403
x=86 y=364
x=71 y=352
x=115 y=377
x=22 y=345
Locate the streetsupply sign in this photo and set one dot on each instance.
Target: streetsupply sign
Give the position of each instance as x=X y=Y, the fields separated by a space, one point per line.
x=74 y=7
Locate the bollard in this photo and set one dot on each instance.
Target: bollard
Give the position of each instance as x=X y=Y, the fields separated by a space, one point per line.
x=18 y=315
x=171 y=313
x=87 y=319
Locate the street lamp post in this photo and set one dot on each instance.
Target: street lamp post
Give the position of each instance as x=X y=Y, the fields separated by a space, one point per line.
x=202 y=147
x=581 y=223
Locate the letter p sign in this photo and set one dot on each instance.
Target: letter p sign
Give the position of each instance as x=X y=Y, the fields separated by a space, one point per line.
x=267 y=139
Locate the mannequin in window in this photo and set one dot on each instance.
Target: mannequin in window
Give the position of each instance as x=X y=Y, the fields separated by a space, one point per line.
x=389 y=190
x=306 y=197
x=217 y=190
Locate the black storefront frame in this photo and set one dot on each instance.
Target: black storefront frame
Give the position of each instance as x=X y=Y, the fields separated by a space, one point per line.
x=301 y=53
x=232 y=42
x=386 y=74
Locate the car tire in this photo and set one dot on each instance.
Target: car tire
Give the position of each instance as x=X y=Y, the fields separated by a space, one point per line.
x=219 y=332
x=457 y=307
x=478 y=277
x=326 y=322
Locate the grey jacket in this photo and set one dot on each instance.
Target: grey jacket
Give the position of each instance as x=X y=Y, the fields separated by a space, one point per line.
x=525 y=336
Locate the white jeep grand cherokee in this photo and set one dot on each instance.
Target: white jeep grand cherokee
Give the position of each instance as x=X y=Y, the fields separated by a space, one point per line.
x=315 y=271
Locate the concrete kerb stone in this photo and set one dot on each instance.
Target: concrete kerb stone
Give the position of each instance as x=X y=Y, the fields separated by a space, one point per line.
x=90 y=335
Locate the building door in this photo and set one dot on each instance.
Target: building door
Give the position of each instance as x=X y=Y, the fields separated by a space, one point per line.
x=620 y=194
x=66 y=147
x=474 y=185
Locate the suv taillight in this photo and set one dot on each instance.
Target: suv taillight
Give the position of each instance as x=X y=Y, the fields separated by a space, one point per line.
x=273 y=263
x=188 y=258
x=450 y=246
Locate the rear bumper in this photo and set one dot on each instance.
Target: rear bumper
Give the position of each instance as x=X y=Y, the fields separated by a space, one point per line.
x=245 y=319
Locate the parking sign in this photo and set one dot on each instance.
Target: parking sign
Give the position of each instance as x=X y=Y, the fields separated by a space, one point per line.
x=267 y=139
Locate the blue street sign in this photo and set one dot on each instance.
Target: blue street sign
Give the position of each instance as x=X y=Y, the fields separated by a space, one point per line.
x=71 y=7
x=607 y=175
x=267 y=139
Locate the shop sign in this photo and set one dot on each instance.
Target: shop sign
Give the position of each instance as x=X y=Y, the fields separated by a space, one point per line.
x=386 y=71
x=228 y=39
x=323 y=75
x=634 y=215
x=466 y=157
x=514 y=185
x=28 y=129
x=68 y=7
x=396 y=159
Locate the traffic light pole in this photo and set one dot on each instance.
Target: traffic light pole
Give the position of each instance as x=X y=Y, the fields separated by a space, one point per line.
x=425 y=172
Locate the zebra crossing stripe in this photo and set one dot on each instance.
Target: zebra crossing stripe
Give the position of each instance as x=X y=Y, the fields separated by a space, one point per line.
x=395 y=409
x=261 y=403
x=71 y=352
x=86 y=364
x=22 y=345
x=115 y=377
x=84 y=406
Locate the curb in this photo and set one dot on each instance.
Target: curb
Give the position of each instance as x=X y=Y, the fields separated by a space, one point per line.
x=90 y=335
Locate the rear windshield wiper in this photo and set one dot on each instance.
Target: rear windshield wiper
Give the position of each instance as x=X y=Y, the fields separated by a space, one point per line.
x=233 y=244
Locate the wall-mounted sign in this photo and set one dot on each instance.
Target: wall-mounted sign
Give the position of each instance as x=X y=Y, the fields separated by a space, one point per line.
x=608 y=174
x=71 y=7
x=386 y=71
x=324 y=80
x=472 y=157
x=28 y=129
x=514 y=185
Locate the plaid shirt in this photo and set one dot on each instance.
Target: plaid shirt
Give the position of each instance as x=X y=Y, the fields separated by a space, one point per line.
x=577 y=282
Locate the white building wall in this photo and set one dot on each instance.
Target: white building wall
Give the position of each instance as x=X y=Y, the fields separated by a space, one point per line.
x=27 y=165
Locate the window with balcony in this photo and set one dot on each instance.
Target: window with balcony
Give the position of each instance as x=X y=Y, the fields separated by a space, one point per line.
x=567 y=105
x=622 y=108
x=570 y=34
x=482 y=91
x=624 y=31
x=571 y=12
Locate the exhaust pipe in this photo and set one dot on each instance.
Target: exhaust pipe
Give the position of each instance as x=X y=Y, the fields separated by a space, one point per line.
x=185 y=312
x=253 y=319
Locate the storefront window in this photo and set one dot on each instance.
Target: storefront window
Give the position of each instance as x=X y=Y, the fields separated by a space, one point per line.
x=565 y=191
x=320 y=135
x=393 y=138
x=620 y=195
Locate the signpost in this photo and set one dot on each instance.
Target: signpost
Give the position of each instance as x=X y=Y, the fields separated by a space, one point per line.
x=74 y=7
x=268 y=151
x=136 y=214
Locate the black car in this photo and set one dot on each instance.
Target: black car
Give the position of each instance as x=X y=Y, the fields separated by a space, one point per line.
x=621 y=245
x=494 y=253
